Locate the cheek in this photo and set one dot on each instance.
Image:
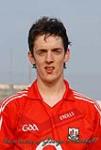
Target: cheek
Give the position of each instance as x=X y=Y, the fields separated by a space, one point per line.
x=60 y=66
x=40 y=66
x=39 y=63
x=60 y=62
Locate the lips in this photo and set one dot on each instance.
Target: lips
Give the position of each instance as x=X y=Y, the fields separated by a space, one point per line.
x=49 y=69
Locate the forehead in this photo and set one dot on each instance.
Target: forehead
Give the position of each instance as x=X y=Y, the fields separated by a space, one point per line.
x=48 y=40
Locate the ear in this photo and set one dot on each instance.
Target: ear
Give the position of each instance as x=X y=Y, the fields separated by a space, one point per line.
x=67 y=55
x=31 y=58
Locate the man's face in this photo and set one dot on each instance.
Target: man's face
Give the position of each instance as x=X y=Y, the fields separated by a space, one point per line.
x=49 y=57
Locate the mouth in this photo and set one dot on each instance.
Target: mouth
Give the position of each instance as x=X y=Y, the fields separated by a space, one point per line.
x=49 y=69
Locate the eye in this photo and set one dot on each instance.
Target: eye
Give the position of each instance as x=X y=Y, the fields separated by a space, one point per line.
x=57 y=51
x=41 y=52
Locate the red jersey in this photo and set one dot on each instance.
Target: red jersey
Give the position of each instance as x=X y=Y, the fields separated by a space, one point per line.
x=28 y=123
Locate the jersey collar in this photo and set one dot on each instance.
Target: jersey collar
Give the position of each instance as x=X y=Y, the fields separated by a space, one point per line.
x=33 y=92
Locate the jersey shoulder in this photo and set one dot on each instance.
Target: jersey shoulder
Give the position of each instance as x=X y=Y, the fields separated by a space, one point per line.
x=85 y=103
x=13 y=99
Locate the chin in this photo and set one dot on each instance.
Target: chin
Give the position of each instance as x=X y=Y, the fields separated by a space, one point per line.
x=51 y=80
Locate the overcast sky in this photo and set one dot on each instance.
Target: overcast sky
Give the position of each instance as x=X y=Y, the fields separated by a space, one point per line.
x=83 y=22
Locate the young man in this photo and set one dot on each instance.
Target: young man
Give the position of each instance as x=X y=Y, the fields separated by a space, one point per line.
x=49 y=115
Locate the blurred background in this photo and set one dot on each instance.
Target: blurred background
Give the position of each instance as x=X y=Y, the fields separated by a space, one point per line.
x=83 y=23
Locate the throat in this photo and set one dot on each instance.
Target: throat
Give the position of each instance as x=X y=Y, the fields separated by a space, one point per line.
x=52 y=95
x=52 y=100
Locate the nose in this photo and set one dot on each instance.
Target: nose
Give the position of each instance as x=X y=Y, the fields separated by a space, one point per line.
x=49 y=57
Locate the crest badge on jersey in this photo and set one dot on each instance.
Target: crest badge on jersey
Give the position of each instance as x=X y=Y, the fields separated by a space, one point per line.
x=73 y=134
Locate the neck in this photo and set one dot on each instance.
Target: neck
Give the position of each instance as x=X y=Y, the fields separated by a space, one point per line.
x=51 y=92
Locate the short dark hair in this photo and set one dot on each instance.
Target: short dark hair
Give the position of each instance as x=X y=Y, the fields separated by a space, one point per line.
x=48 y=26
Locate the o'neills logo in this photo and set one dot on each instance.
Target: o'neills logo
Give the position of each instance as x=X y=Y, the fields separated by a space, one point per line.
x=29 y=127
x=67 y=115
x=49 y=144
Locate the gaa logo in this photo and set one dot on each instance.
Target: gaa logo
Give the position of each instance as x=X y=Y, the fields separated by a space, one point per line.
x=49 y=145
x=29 y=127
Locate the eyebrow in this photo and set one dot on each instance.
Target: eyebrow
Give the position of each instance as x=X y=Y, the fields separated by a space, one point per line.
x=57 y=48
x=51 y=49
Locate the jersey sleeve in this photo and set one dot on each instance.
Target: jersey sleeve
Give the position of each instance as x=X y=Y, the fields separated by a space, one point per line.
x=95 y=143
x=8 y=121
